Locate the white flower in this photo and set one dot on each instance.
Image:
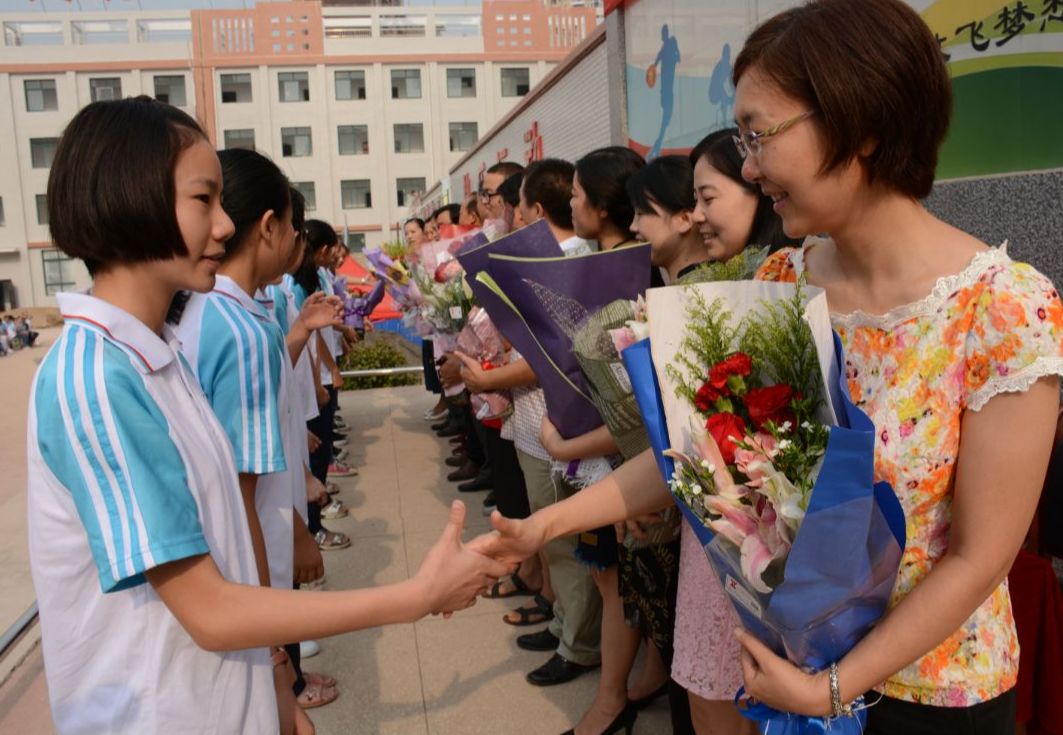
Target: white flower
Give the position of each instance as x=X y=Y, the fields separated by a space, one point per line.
x=786 y=425
x=784 y=444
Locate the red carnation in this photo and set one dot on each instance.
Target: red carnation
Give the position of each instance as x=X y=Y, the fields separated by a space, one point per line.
x=705 y=398
x=739 y=364
x=725 y=428
x=771 y=403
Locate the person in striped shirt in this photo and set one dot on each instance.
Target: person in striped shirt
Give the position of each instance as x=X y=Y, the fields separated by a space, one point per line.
x=151 y=612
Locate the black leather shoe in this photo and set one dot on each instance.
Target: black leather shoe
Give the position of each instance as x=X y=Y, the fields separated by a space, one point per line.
x=448 y=431
x=557 y=670
x=456 y=461
x=544 y=640
x=467 y=471
x=480 y=482
x=441 y=425
x=624 y=721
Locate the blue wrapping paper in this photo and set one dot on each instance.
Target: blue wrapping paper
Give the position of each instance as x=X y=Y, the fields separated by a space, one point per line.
x=828 y=601
x=551 y=296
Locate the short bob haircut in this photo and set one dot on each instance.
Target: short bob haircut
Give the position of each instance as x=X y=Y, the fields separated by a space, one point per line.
x=603 y=175
x=548 y=183
x=510 y=188
x=719 y=150
x=111 y=195
x=874 y=72
x=667 y=181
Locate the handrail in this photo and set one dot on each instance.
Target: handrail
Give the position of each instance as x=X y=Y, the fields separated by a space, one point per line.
x=382 y=372
x=18 y=628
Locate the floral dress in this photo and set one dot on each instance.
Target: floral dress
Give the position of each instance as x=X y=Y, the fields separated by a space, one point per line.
x=994 y=327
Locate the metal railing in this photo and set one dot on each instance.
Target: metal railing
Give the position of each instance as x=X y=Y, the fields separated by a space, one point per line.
x=383 y=372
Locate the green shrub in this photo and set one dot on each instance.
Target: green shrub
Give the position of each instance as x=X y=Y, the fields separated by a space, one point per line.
x=371 y=356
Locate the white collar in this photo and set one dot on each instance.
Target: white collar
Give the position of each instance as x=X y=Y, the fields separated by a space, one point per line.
x=152 y=351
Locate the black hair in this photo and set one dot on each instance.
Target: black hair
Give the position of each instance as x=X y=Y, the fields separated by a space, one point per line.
x=454 y=210
x=720 y=151
x=318 y=235
x=667 y=181
x=603 y=174
x=506 y=168
x=111 y=195
x=298 y=210
x=549 y=183
x=510 y=189
x=253 y=186
x=416 y=220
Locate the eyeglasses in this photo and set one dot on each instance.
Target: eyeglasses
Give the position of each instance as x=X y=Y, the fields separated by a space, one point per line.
x=486 y=195
x=750 y=142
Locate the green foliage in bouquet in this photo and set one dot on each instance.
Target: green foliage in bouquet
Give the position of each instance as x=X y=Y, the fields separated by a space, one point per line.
x=710 y=338
x=740 y=267
x=371 y=356
x=395 y=250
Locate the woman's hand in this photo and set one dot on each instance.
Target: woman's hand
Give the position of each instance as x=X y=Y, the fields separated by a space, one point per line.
x=315 y=491
x=320 y=311
x=450 y=370
x=307 y=562
x=778 y=683
x=312 y=441
x=513 y=540
x=473 y=374
x=453 y=575
x=337 y=378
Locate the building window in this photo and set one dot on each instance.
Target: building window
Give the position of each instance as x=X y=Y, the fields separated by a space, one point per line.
x=350 y=84
x=409 y=138
x=42 y=151
x=236 y=88
x=356 y=194
x=296 y=143
x=41 y=95
x=355 y=241
x=42 y=209
x=515 y=82
x=293 y=86
x=240 y=138
x=348 y=26
x=105 y=88
x=464 y=26
x=407 y=189
x=56 y=266
x=461 y=82
x=309 y=192
x=353 y=139
x=463 y=135
x=403 y=25
x=171 y=90
x=405 y=84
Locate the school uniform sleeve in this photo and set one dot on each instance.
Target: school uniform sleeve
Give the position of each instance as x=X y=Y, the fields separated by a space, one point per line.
x=242 y=386
x=106 y=441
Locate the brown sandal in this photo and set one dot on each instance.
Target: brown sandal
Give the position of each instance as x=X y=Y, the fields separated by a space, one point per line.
x=540 y=610
x=520 y=587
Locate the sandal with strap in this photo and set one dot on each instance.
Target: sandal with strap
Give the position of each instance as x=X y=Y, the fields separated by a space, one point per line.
x=320 y=680
x=520 y=587
x=541 y=610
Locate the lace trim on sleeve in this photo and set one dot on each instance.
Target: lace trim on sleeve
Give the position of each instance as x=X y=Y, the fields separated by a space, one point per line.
x=1017 y=382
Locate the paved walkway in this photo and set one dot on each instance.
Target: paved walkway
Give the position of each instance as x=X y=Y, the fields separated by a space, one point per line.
x=439 y=677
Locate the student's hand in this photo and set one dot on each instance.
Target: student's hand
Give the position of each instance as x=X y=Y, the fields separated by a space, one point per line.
x=450 y=370
x=320 y=311
x=513 y=540
x=551 y=438
x=368 y=325
x=473 y=374
x=452 y=575
x=315 y=491
x=308 y=564
x=337 y=379
x=303 y=725
x=283 y=681
x=322 y=396
x=312 y=442
x=350 y=334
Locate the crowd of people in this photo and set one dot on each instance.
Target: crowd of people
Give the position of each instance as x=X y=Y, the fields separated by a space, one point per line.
x=16 y=332
x=183 y=429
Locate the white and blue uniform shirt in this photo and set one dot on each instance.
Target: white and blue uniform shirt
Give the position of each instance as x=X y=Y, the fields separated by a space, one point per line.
x=129 y=469
x=286 y=310
x=238 y=353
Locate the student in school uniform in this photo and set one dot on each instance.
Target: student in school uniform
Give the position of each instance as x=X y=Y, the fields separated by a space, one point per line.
x=151 y=615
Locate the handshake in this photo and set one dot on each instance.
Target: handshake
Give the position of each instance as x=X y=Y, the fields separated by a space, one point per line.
x=454 y=574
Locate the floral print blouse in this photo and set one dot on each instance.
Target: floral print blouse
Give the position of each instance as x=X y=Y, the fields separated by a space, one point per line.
x=994 y=327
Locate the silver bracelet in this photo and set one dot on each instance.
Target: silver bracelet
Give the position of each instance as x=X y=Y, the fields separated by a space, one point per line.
x=837 y=708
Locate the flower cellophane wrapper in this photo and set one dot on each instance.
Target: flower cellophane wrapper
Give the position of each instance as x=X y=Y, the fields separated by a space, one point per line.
x=552 y=297
x=481 y=341
x=612 y=393
x=827 y=601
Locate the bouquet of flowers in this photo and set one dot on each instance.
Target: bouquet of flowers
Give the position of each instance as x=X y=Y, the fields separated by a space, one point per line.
x=442 y=300
x=772 y=465
x=393 y=272
x=481 y=341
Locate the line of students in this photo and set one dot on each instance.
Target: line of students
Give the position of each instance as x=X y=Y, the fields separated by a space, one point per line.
x=167 y=481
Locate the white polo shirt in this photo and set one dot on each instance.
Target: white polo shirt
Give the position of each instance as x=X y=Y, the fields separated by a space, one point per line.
x=128 y=469
x=237 y=352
